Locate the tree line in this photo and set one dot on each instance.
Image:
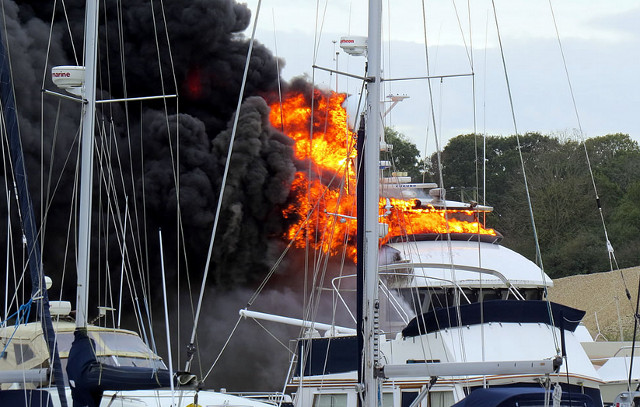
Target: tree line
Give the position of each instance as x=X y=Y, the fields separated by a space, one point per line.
x=563 y=194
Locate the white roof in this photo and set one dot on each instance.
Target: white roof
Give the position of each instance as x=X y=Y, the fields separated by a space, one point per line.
x=438 y=263
x=617 y=369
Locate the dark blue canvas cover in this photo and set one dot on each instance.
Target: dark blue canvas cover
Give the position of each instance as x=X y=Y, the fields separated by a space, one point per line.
x=530 y=311
x=25 y=397
x=89 y=378
x=521 y=397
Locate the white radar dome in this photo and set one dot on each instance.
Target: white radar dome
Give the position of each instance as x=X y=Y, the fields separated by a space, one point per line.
x=68 y=78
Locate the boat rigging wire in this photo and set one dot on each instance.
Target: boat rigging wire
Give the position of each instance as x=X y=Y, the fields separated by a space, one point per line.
x=166 y=316
x=609 y=246
x=468 y=48
x=123 y=251
x=223 y=185
x=174 y=159
x=7 y=190
x=524 y=175
x=284 y=345
x=441 y=184
x=30 y=233
x=66 y=18
x=275 y=42
x=6 y=272
x=275 y=266
x=291 y=242
x=235 y=327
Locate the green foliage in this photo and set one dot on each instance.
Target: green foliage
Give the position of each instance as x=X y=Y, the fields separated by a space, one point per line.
x=565 y=209
x=404 y=155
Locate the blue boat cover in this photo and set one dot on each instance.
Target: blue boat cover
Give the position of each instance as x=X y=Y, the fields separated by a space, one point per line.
x=328 y=355
x=530 y=311
x=521 y=397
x=25 y=397
x=89 y=378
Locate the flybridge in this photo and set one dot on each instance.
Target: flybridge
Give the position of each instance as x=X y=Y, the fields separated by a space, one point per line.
x=401 y=187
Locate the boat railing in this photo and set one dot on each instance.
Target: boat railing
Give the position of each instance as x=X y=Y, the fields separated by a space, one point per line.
x=277 y=399
x=395 y=303
x=456 y=267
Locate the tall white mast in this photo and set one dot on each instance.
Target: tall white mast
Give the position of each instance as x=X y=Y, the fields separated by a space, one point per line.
x=86 y=169
x=371 y=199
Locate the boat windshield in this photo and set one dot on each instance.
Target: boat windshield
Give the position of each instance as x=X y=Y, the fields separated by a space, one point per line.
x=110 y=344
x=425 y=299
x=117 y=342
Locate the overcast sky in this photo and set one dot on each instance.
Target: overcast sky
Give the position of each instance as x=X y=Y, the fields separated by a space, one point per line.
x=601 y=42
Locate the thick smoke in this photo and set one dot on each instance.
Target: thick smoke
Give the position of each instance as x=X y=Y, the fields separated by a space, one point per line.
x=155 y=154
x=208 y=54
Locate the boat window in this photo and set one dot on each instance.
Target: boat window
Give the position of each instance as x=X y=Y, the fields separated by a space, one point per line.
x=24 y=353
x=133 y=362
x=424 y=300
x=417 y=300
x=114 y=342
x=108 y=342
x=330 y=400
x=489 y=294
x=440 y=399
x=408 y=397
x=387 y=399
x=533 y=293
x=470 y=294
x=64 y=341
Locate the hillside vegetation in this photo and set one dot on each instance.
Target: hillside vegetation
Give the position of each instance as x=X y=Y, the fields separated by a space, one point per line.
x=567 y=214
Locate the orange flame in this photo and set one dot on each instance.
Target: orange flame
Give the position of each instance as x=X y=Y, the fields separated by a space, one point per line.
x=405 y=218
x=323 y=209
x=325 y=192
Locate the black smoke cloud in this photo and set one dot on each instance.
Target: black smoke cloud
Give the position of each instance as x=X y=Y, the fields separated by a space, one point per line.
x=208 y=52
x=149 y=154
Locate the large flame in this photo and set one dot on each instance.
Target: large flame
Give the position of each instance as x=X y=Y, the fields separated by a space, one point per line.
x=407 y=218
x=323 y=209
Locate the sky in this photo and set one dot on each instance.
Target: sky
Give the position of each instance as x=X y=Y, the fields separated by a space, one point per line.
x=600 y=41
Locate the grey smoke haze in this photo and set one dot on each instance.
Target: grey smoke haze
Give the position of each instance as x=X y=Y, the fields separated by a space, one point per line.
x=256 y=359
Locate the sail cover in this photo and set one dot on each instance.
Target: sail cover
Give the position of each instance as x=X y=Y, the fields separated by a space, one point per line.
x=89 y=378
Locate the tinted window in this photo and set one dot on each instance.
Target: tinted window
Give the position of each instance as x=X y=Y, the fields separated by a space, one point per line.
x=330 y=400
x=23 y=353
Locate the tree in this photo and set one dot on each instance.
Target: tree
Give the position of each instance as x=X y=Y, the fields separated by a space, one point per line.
x=405 y=155
x=568 y=224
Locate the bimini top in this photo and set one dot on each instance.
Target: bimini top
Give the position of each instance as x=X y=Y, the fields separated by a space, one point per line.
x=443 y=263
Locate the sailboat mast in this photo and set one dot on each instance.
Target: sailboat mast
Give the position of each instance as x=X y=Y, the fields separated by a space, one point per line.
x=86 y=168
x=371 y=199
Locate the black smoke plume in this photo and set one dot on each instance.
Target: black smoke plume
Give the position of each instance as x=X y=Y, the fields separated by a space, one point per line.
x=151 y=147
x=202 y=53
